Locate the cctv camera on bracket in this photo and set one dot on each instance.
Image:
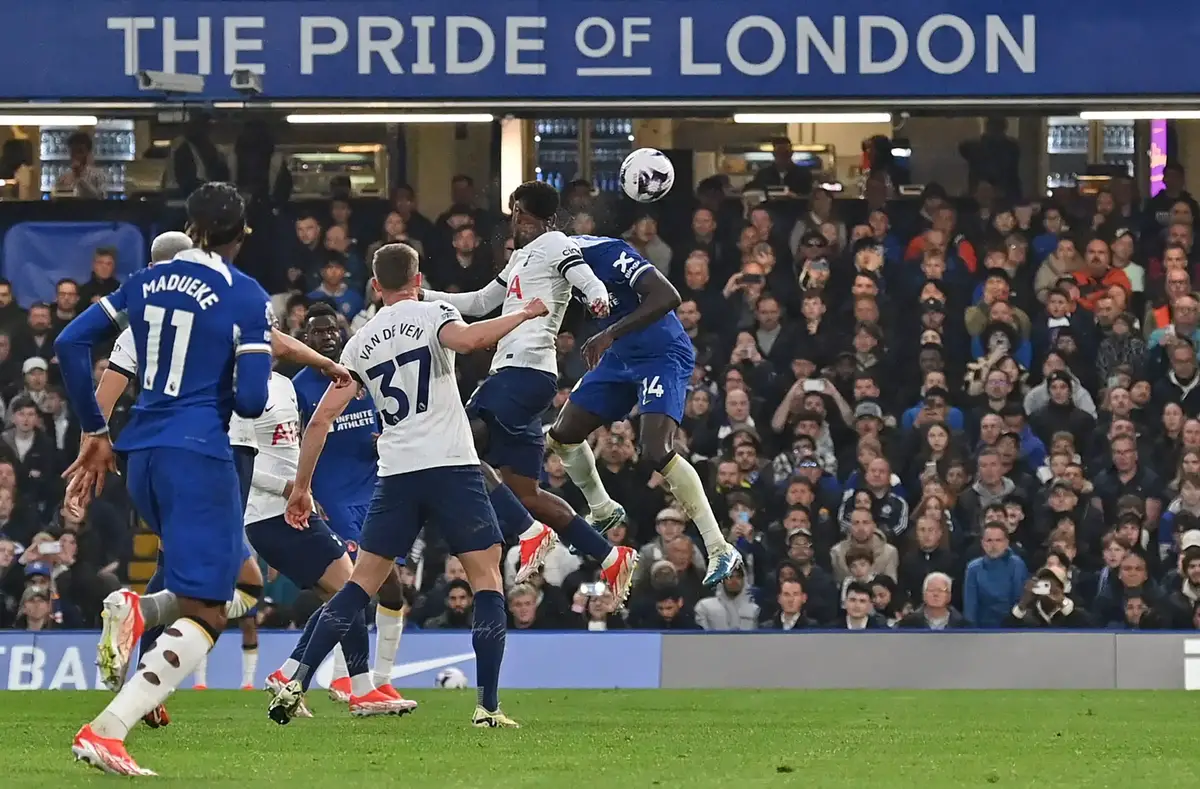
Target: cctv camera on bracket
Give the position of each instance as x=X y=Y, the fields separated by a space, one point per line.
x=246 y=82
x=164 y=82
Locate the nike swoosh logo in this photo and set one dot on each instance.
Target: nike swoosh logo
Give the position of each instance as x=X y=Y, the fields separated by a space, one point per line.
x=325 y=670
x=421 y=666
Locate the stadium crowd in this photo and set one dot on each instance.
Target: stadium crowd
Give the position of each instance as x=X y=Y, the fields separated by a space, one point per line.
x=937 y=413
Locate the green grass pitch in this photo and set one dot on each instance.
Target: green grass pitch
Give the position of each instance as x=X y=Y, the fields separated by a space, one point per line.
x=636 y=740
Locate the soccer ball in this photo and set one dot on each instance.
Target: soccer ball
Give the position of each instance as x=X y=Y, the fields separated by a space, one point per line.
x=647 y=175
x=450 y=678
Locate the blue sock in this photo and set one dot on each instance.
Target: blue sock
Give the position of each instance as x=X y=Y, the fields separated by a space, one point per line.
x=487 y=638
x=337 y=618
x=580 y=535
x=309 y=626
x=157 y=583
x=356 y=646
x=512 y=515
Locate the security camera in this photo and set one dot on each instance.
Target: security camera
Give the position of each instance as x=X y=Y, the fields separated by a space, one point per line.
x=164 y=82
x=246 y=82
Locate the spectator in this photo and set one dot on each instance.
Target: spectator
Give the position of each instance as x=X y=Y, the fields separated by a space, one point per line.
x=36 y=612
x=340 y=244
x=1044 y=603
x=669 y=525
x=935 y=612
x=731 y=608
x=865 y=535
x=36 y=341
x=860 y=611
x=66 y=304
x=523 y=611
x=103 y=280
x=458 y=612
x=81 y=178
x=783 y=171
x=669 y=613
x=994 y=581
x=335 y=291
x=791 y=603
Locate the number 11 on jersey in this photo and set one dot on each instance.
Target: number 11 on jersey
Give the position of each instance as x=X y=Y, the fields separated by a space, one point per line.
x=182 y=321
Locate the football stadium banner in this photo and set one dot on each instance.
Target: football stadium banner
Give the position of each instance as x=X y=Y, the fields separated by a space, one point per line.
x=580 y=49
x=65 y=660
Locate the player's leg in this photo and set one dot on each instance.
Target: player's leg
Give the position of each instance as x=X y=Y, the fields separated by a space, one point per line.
x=664 y=383
x=205 y=535
x=389 y=625
x=249 y=630
x=459 y=508
x=569 y=440
x=392 y=523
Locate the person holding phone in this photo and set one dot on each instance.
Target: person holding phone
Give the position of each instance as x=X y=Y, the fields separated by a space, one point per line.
x=1044 y=603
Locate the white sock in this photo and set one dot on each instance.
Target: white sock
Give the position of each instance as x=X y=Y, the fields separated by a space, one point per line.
x=289 y=668
x=159 y=608
x=389 y=624
x=339 y=663
x=240 y=605
x=580 y=464
x=178 y=651
x=533 y=531
x=361 y=685
x=249 y=666
x=201 y=675
x=684 y=484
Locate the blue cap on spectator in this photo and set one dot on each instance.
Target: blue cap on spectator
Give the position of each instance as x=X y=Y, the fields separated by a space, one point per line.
x=37 y=568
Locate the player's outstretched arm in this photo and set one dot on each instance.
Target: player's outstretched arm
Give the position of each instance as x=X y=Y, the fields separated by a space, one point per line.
x=583 y=279
x=475 y=303
x=658 y=297
x=253 y=369
x=109 y=390
x=462 y=338
x=332 y=404
x=290 y=349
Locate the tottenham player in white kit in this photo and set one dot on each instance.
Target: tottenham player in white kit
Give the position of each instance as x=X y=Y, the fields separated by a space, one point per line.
x=428 y=469
x=312 y=558
x=506 y=411
x=127 y=616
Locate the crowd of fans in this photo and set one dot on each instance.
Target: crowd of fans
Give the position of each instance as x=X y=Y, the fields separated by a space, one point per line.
x=979 y=412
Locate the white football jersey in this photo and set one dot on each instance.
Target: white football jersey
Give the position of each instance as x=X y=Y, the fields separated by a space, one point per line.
x=124 y=359
x=397 y=355
x=277 y=434
x=537 y=271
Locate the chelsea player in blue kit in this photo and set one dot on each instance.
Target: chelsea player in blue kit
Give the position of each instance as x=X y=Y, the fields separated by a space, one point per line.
x=343 y=483
x=640 y=359
x=197 y=323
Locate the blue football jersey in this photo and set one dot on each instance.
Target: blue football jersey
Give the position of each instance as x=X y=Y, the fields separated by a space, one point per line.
x=191 y=318
x=345 y=474
x=618 y=265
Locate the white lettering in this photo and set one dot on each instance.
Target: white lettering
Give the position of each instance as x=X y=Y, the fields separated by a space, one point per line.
x=25 y=668
x=385 y=48
x=192 y=286
x=131 y=26
x=610 y=37
x=173 y=46
x=733 y=42
x=966 y=50
x=235 y=44
x=69 y=672
x=687 y=56
x=514 y=44
x=807 y=35
x=424 y=27
x=487 y=46
x=1024 y=54
x=629 y=36
x=310 y=49
x=866 y=60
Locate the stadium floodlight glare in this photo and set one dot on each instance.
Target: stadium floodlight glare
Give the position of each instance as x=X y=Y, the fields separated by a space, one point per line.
x=812 y=117
x=1140 y=115
x=389 y=117
x=48 y=120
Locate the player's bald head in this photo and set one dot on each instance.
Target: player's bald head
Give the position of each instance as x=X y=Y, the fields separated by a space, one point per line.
x=167 y=245
x=395 y=266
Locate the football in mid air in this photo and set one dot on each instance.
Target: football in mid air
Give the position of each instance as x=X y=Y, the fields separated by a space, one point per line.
x=450 y=678
x=647 y=175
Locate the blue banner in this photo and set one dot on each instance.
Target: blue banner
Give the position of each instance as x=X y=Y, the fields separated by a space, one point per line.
x=65 y=661
x=38 y=254
x=579 y=49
